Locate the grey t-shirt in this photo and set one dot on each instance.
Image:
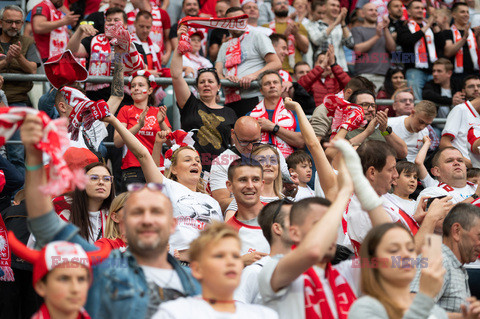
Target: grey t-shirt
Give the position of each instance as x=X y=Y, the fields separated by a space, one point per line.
x=376 y=60
x=255 y=46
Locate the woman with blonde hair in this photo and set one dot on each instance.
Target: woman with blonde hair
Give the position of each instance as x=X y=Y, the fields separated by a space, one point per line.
x=269 y=157
x=386 y=287
x=114 y=227
x=192 y=209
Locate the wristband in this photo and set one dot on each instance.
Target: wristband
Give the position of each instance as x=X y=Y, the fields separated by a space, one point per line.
x=474 y=196
x=33 y=168
x=275 y=129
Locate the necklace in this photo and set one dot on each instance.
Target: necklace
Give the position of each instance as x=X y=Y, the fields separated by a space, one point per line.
x=214 y=301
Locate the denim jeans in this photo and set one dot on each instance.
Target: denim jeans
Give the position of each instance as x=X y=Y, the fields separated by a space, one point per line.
x=16 y=152
x=416 y=79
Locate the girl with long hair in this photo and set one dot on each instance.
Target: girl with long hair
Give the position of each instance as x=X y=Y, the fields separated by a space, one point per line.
x=88 y=208
x=386 y=286
x=114 y=235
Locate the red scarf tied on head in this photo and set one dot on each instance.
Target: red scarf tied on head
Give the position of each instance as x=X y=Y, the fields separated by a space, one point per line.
x=316 y=302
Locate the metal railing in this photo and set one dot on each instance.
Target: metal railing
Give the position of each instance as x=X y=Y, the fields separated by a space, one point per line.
x=162 y=81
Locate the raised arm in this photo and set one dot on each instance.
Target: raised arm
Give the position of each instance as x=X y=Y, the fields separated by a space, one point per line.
x=150 y=170
x=318 y=240
x=180 y=86
x=37 y=203
x=325 y=172
x=420 y=159
x=75 y=42
x=117 y=91
x=42 y=26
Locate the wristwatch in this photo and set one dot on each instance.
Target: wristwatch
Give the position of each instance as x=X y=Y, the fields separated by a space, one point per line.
x=474 y=196
x=275 y=129
x=387 y=131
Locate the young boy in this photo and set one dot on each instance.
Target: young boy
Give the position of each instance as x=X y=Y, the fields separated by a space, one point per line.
x=216 y=263
x=473 y=175
x=62 y=274
x=300 y=168
x=404 y=186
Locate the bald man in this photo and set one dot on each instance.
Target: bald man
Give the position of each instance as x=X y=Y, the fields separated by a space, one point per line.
x=245 y=134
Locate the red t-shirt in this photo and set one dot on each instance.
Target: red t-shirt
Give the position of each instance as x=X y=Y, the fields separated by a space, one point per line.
x=129 y=114
x=42 y=40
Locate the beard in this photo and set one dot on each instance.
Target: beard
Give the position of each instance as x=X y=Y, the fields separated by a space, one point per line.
x=281 y=14
x=140 y=247
x=12 y=33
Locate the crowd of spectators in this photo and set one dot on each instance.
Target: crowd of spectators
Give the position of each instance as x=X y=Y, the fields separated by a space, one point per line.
x=293 y=192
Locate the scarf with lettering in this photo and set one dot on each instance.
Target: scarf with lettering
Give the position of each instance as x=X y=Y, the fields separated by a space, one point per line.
x=421 y=56
x=43 y=313
x=290 y=43
x=100 y=61
x=316 y=303
x=472 y=47
x=59 y=36
x=5 y=254
x=283 y=118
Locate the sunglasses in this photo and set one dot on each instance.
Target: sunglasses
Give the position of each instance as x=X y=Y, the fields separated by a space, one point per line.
x=134 y=187
x=203 y=70
x=283 y=201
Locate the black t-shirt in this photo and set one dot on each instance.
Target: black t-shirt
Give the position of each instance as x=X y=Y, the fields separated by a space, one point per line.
x=467 y=58
x=211 y=127
x=173 y=31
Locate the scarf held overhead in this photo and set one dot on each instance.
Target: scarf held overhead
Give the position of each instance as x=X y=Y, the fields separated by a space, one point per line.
x=54 y=143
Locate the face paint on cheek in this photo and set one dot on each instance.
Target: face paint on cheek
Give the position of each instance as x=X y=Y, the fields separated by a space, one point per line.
x=144 y=91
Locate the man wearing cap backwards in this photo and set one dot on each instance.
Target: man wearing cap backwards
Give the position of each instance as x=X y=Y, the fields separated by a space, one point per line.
x=98 y=51
x=49 y=26
x=129 y=285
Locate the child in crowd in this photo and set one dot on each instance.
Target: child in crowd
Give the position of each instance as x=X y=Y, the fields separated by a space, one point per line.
x=473 y=175
x=404 y=186
x=300 y=168
x=62 y=274
x=216 y=263
x=423 y=175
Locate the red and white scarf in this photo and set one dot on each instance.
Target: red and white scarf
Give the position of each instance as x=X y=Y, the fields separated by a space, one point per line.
x=316 y=301
x=154 y=56
x=156 y=33
x=5 y=254
x=232 y=60
x=285 y=76
x=54 y=143
x=290 y=43
x=421 y=57
x=283 y=118
x=100 y=61
x=472 y=47
x=58 y=37
x=43 y=313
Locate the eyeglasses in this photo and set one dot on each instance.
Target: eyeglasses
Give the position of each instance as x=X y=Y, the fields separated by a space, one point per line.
x=405 y=100
x=367 y=105
x=10 y=22
x=281 y=3
x=95 y=178
x=246 y=143
x=139 y=186
x=283 y=201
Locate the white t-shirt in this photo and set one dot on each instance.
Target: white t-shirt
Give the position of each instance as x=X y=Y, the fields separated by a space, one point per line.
x=198 y=63
x=192 y=210
x=96 y=134
x=289 y=302
x=358 y=221
x=458 y=194
x=413 y=140
x=247 y=291
x=304 y=192
x=407 y=205
x=220 y=165
x=318 y=188
x=459 y=121
x=475 y=158
x=194 y=307
x=264 y=199
x=266 y=31
x=251 y=236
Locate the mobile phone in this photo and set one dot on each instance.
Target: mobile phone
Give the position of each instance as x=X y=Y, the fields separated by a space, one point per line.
x=434 y=246
x=431 y=199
